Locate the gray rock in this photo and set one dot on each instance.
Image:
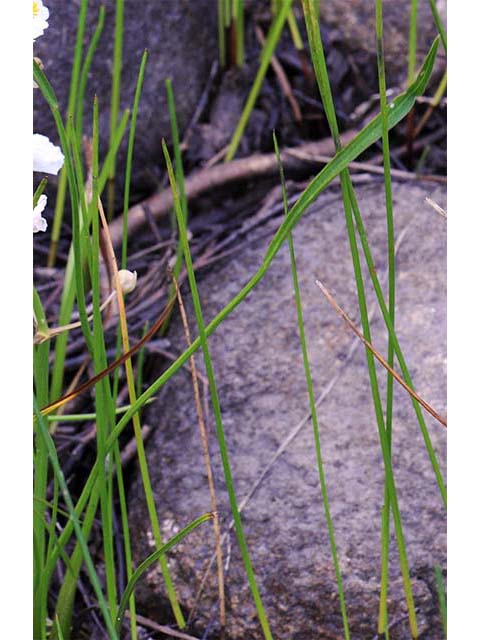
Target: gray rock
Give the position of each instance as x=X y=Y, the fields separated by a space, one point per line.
x=351 y=26
x=259 y=372
x=181 y=38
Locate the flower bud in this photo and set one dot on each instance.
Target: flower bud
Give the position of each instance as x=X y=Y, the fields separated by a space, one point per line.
x=128 y=280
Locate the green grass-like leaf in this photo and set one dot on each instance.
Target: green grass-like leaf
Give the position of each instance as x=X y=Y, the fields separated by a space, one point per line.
x=238 y=25
x=105 y=414
x=103 y=393
x=180 y=180
x=412 y=40
x=115 y=99
x=152 y=559
x=128 y=169
x=266 y=55
x=40 y=364
x=382 y=616
x=82 y=85
x=439 y=24
x=442 y=600
x=404 y=101
x=71 y=275
x=52 y=454
x=313 y=408
x=39 y=190
x=72 y=99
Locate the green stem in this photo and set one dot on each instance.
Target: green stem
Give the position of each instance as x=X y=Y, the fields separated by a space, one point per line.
x=316 y=47
x=115 y=99
x=216 y=403
x=62 y=182
x=179 y=177
x=50 y=446
x=128 y=169
x=221 y=32
x=266 y=56
x=313 y=408
x=412 y=40
x=439 y=24
x=148 y=562
x=382 y=616
x=85 y=71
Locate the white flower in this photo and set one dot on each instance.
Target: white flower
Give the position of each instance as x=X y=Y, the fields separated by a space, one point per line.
x=39 y=223
x=47 y=158
x=40 y=17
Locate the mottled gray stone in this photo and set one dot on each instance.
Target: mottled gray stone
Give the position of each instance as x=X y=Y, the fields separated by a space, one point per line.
x=181 y=38
x=351 y=24
x=258 y=366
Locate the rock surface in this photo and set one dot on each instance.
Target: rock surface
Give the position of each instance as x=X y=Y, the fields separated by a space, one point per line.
x=181 y=38
x=351 y=33
x=258 y=366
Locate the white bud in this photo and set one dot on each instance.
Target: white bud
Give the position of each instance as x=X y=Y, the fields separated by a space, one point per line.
x=128 y=280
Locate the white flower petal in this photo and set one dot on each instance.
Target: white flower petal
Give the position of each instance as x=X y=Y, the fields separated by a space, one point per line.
x=40 y=17
x=39 y=223
x=47 y=158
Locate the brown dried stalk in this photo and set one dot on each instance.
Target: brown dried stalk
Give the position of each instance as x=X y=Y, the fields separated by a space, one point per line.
x=207 y=459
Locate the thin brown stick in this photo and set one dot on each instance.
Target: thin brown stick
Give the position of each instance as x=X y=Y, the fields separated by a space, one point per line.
x=436 y=207
x=208 y=462
x=74 y=382
x=49 y=408
x=377 y=355
x=151 y=624
x=281 y=77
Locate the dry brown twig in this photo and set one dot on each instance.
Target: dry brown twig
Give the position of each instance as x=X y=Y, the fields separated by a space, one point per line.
x=436 y=207
x=161 y=628
x=281 y=77
x=49 y=408
x=208 y=462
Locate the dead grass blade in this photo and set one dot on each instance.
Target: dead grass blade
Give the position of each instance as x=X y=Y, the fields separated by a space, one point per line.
x=207 y=459
x=50 y=408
